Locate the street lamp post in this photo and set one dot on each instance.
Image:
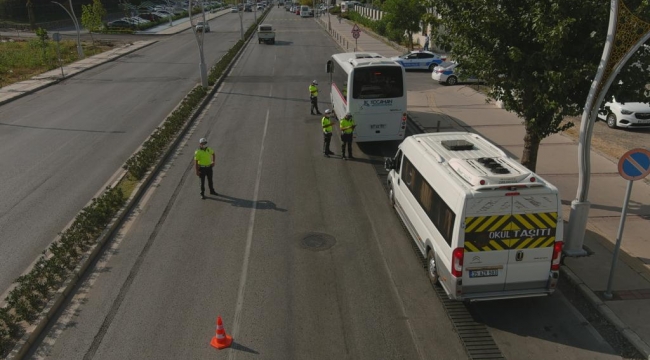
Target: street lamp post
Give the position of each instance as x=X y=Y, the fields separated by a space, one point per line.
x=199 y=41
x=241 y=20
x=80 y=50
x=625 y=34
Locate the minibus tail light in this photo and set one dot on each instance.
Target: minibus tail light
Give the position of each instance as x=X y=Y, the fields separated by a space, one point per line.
x=557 y=253
x=457 y=262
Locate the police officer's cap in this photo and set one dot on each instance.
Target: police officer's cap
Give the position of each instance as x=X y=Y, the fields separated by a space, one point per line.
x=328 y=111
x=203 y=141
x=314 y=82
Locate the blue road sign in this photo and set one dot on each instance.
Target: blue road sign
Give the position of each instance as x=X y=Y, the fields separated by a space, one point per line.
x=634 y=164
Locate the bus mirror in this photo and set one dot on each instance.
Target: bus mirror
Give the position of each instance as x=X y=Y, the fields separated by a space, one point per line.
x=389 y=164
x=330 y=68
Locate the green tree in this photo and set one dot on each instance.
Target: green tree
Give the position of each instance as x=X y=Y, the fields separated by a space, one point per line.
x=540 y=57
x=92 y=16
x=404 y=16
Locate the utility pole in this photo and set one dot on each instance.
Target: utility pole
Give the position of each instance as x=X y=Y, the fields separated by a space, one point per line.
x=625 y=34
x=241 y=19
x=80 y=50
x=199 y=41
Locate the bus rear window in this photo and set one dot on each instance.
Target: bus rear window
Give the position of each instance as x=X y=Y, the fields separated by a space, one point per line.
x=378 y=83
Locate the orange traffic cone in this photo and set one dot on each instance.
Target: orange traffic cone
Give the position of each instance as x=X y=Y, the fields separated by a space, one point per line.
x=221 y=340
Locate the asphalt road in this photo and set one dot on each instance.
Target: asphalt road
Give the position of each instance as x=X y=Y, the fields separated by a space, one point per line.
x=301 y=255
x=60 y=146
x=241 y=255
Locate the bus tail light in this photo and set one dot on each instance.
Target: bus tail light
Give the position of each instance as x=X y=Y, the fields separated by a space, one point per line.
x=457 y=262
x=557 y=253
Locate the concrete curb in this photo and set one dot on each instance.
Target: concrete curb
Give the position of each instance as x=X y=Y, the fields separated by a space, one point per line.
x=35 y=330
x=604 y=310
x=57 y=80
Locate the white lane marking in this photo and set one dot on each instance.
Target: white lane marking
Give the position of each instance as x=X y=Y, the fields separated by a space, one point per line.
x=249 y=242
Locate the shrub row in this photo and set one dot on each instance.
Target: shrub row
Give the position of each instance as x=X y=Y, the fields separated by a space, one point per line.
x=36 y=288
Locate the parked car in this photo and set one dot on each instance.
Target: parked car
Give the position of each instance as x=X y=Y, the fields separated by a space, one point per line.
x=624 y=114
x=202 y=26
x=420 y=60
x=450 y=73
x=234 y=9
x=120 y=24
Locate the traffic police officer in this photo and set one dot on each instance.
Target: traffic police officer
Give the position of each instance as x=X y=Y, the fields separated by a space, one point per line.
x=327 y=133
x=313 y=96
x=347 y=126
x=204 y=162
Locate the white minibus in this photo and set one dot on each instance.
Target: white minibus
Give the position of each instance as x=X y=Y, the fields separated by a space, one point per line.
x=488 y=227
x=372 y=89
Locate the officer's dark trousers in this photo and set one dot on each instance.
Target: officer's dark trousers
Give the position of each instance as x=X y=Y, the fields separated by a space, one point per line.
x=327 y=138
x=346 y=139
x=203 y=173
x=314 y=104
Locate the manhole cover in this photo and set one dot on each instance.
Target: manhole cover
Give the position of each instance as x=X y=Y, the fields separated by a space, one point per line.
x=317 y=241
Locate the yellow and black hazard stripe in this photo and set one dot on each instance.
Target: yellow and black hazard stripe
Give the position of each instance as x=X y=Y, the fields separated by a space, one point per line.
x=508 y=232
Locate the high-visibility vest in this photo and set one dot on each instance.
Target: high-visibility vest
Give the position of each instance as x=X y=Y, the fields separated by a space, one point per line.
x=313 y=90
x=204 y=156
x=345 y=123
x=326 y=121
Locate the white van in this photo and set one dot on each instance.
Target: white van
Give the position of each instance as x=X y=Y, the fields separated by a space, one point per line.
x=305 y=11
x=488 y=227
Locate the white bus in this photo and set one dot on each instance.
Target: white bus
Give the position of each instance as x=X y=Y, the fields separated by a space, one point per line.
x=372 y=89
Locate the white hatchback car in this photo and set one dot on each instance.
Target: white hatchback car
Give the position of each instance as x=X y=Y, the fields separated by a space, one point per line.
x=449 y=73
x=622 y=114
x=420 y=60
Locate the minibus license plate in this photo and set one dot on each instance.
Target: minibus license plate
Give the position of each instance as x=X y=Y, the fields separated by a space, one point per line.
x=483 y=273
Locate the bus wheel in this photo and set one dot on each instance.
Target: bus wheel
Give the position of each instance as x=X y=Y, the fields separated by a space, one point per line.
x=432 y=270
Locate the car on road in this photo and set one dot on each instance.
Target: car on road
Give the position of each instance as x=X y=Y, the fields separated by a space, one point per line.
x=420 y=59
x=234 y=9
x=202 y=27
x=450 y=73
x=624 y=114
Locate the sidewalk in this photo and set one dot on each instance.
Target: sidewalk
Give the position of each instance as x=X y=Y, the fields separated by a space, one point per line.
x=461 y=108
x=14 y=91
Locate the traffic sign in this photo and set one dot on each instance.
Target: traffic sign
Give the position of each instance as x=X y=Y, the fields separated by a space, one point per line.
x=634 y=164
x=355 y=28
x=355 y=34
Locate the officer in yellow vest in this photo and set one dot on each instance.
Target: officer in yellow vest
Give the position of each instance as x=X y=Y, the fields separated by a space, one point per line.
x=326 y=122
x=347 y=126
x=313 y=97
x=204 y=162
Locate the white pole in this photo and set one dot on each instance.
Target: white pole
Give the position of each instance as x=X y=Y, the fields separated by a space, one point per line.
x=619 y=238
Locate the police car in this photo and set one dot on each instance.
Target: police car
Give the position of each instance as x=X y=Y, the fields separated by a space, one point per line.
x=420 y=60
x=449 y=73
